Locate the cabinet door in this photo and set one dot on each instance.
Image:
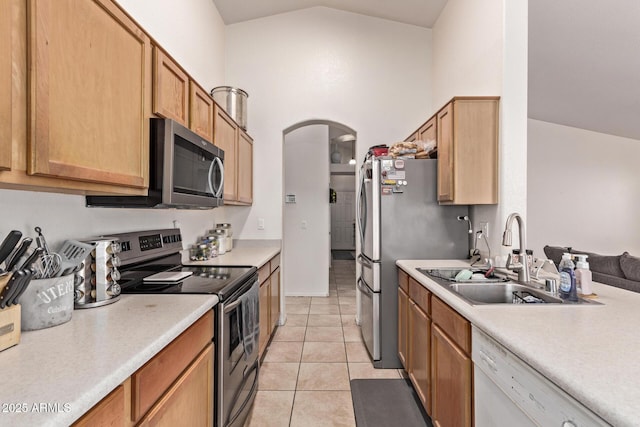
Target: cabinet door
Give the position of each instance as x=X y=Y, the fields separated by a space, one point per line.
x=189 y=401
x=403 y=327
x=224 y=136
x=275 y=299
x=444 y=130
x=452 y=386
x=88 y=109
x=265 y=330
x=245 y=167
x=200 y=112
x=428 y=131
x=110 y=411
x=413 y=137
x=170 y=88
x=6 y=59
x=419 y=354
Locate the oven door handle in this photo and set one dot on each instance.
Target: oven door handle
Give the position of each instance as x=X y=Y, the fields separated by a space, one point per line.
x=232 y=306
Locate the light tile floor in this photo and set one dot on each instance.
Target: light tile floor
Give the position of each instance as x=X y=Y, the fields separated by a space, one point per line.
x=306 y=371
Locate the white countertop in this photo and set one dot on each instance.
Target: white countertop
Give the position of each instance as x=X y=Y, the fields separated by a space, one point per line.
x=71 y=367
x=256 y=256
x=590 y=351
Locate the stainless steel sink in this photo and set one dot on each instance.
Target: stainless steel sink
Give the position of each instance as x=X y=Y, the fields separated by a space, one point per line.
x=502 y=293
x=493 y=290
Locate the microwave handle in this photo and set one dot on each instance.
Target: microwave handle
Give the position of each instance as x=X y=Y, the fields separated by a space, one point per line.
x=218 y=191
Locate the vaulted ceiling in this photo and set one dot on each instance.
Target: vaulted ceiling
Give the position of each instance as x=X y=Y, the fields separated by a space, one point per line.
x=584 y=57
x=584 y=64
x=415 y=12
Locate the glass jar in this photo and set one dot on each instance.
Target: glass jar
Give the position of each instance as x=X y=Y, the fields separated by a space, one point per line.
x=199 y=252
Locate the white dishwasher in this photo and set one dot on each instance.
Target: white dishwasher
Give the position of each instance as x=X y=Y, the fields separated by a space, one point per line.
x=508 y=392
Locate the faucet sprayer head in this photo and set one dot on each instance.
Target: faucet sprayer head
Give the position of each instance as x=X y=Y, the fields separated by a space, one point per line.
x=506 y=237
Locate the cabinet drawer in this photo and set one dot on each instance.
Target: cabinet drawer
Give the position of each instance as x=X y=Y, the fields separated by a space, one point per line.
x=420 y=295
x=263 y=273
x=455 y=326
x=153 y=379
x=275 y=262
x=403 y=281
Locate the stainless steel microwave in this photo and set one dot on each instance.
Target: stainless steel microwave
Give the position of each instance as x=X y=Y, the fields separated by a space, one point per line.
x=185 y=171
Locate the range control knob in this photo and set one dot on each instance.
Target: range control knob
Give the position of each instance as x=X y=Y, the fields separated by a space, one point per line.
x=569 y=424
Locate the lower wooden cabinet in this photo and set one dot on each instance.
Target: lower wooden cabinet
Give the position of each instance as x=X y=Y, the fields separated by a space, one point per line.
x=274 y=305
x=269 y=276
x=434 y=344
x=174 y=388
x=189 y=401
x=452 y=382
x=419 y=354
x=403 y=328
x=265 y=330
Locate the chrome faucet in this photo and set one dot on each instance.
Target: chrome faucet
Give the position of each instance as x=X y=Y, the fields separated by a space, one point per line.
x=523 y=267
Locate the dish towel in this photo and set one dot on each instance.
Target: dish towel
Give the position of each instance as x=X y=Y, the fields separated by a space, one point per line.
x=250 y=319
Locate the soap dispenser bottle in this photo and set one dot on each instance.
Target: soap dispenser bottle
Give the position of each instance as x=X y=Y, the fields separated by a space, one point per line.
x=583 y=274
x=568 y=289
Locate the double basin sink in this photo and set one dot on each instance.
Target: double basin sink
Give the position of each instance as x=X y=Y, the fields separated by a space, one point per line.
x=480 y=290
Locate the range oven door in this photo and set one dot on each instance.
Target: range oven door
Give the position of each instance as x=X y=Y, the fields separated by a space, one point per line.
x=237 y=353
x=370 y=318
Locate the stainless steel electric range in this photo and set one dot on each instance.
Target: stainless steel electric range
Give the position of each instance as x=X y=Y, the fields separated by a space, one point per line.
x=151 y=264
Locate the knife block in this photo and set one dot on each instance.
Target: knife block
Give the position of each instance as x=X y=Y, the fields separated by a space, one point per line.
x=9 y=321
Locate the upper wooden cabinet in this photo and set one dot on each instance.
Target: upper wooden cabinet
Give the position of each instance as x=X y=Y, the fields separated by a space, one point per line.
x=5 y=85
x=225 y=136
x=170 y=88
x=428 y=131
x=238 y=158
x=245 y=167
x=88 y=111
x=200 y=112
x=467 y=137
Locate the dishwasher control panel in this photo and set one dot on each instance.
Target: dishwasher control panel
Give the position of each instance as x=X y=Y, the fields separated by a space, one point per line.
x=539 y=399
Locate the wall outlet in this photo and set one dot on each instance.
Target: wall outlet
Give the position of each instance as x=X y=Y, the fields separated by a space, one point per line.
x=484 y=227
x=260 y=223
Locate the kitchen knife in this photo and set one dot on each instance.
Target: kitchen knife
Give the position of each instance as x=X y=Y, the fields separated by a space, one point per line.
x=9 y=243
x=22 y=286
x=18 y=253
x=10 y=289
x=37 y=252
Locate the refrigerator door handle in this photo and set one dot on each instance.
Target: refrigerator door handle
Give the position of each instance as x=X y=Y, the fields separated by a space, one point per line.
x=362 y=207
x=364 y=262
x=364 y=288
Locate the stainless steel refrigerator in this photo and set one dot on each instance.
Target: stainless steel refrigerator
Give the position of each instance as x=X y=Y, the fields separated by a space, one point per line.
x=399 y=217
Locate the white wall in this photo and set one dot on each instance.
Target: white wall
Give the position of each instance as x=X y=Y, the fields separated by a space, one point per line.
x=370 y=74
x=306 y=242
x=480 y=48
x=583 y=189
x=193 y=33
